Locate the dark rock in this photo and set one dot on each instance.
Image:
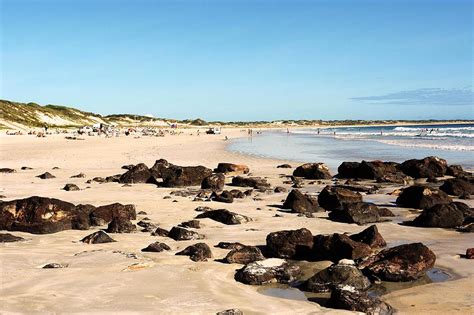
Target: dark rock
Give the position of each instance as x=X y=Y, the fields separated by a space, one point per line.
x=237 y=194
x=80 y=175
x=396 y=178
x=224 y=216
x=284 y=166
x=244 y=255
x=46 y=175
x=359 y=188
x=441 y=216
x=232 y=168
x=99 y=179
x=98 y=237
x=312 y=171
x=197 y=252
x=334 y=198
x=357 y=212
x=158 y=167
x=121 y=225
x=457 y=187
x=290 y=243
x=140 y=173
x=8 y=238
x=181 y=234
x=160 y=232
x=345 y=273
x=142 y=213
x=230 y=245
x=203 y=209
x=401 y=263
x=194 y=224
x=214 y=182
x=71 y=187
x=127 y=167
x=8 y=170
x=232 y=311
x=347 y=298
x=25 y=168
x=467 y=228
x=428 y=167
x=156 y=247
x=104 y=214
x=300 y=203
x=385 y=212
x=338 y=246
x=115 y=179
x=366 y=170
x=267 y=271
x=180 y=176
x=225 y=196
x=470 y=253
x=454 y=170
x=54 y=266
x=421 y=197
x=370 y=236
x=280 y=189
x=147 y=226
x=254 y=182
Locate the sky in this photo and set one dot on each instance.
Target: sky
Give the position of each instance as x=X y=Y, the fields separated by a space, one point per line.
x=242 y=60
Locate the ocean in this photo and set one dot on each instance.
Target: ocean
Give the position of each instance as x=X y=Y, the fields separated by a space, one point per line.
x=455 y=143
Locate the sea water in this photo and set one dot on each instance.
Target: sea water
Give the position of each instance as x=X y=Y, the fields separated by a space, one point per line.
x=455 y=143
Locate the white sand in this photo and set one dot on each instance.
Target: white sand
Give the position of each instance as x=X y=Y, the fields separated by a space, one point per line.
x=101 y=280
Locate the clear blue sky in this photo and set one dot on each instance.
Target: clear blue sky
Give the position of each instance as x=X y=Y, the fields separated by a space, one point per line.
x=242 y=60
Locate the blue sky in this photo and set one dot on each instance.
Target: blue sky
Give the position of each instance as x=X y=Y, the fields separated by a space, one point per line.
x=242 y=60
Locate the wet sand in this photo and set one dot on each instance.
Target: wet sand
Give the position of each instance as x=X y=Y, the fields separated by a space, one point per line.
x=103 y=279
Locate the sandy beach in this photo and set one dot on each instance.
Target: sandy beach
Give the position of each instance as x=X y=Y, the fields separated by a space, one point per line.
x=119 y=278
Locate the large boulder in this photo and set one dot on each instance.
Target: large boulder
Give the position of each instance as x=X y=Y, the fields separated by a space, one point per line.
x=370 y=236
x=40 y=215
x=312 y=171
x=197 y=252
x=156 y=247
x=232 y=168
x=140 y=173
x=71 y=187
x=255 y=182
x=158 y=167
x=104 y=214
x=181 y=234
x=344 y=273
x=120 y=225
x=226 y=197
x=428 y=167
x=348 y=298
x=301 y=203
x=401 y=263
x=224 y=216
x=181 y=176
x=441 y=215
x=334 y=198
x=454 y=170
x=267 y=271
x=244 y=255
x=357 y=212
x=214 y=182
x=338 y=246
x=457 y=187
x=290 y=243
x=422 y=197
x=98 y=237
x=46 y=175
x=366 y=169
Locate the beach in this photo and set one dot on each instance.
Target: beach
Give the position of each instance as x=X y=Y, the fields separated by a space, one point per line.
x=119 y=278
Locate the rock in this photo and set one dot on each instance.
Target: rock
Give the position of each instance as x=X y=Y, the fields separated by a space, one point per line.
x=225 y=196
x=194 y=224
x=104 y=214
x=334 y=198
x=8 y=238
x=99 y=179
x=244 y=255
x=158 y=167
x=46 y=175
x=147 y=226
x=441 y=216
x=284 y=166
x=454 y=170
x=230 y=245
x=338 y=246
x=401 y=263
x=224 y=216
x=347 y=298
x=290 y=243
x=385 y=212
x=370 y=236
x=366 y=170
x=140 y=173
x=457 y=187
x=203 y=209
x=116 y=179
x=422 y=197
x=71 y=187
x=80 y=175
x=181 y=176
x=431 y=166
x=300 y=203
x=121 y=225
x=127 y=167
x=267 y=271
x=232 y=168
x=312 y=171
x=280 y=189
x=197 y=252
x=39 y=215
x=396 y=178
x=54 y=266
x=359 y=188
x=8 y=170
x=237 y=194
x=345 y=273
x=357 y=212
x=232 y=311
x=25 y=168
x=160 y=232
x=470 y=253
x=214 y=182
x=156 y=247
x=98 y=237
x=181 y=234
x=254 y=182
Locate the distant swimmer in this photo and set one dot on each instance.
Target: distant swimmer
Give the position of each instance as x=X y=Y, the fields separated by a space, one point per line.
x=318 y=131
x=287 y=130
